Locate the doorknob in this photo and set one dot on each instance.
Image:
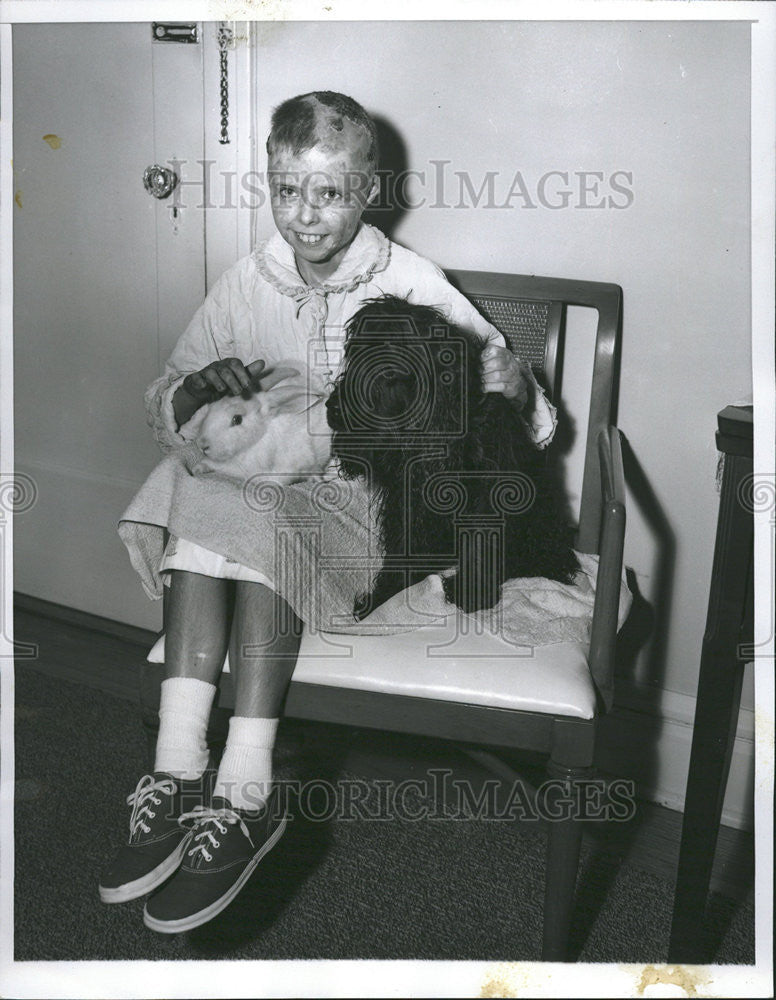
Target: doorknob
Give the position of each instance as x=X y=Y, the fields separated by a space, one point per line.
x=159 y=181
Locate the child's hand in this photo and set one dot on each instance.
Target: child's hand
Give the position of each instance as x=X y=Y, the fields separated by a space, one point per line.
x=502 y=372
x=228 y=376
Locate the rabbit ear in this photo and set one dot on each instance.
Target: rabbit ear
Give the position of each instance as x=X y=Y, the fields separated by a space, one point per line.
x=286 y=399
x=272 y=376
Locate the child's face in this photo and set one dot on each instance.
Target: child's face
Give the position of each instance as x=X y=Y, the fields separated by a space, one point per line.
x=318 y=198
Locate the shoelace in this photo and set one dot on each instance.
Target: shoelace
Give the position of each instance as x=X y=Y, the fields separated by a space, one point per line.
x=143 y=797
x=206 y=816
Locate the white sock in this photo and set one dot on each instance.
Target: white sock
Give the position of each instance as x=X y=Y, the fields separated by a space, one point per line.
x=245 y=775
x=184 y=710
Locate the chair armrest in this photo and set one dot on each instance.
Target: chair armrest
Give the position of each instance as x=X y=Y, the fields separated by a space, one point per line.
x=603 y=634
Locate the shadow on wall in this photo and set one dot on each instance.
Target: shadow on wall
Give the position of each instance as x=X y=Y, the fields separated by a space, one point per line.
x=648 y=624
x=390 y=206
x=646 y=628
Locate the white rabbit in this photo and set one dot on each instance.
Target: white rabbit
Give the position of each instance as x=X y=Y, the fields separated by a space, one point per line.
x=278 y=432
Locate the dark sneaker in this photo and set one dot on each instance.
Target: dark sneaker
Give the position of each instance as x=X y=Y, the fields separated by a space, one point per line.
x=156 y=841
x=226 y=845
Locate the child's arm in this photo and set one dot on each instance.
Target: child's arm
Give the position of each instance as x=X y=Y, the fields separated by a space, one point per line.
x=205 y=353
x=502 y=371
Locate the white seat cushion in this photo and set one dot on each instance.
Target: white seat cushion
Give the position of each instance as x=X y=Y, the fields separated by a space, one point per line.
x=443 y=663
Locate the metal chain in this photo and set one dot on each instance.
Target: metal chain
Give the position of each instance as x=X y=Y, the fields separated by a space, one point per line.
x=224 y=36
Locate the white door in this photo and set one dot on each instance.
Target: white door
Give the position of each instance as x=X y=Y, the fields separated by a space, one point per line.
x=106 y=278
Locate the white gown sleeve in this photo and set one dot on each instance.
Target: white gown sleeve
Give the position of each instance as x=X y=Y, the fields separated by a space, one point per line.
x=207 y=338
x=433 y=288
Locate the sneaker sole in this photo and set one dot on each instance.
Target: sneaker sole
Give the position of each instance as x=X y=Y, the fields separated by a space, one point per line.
x=203 y=916
x=142 y=886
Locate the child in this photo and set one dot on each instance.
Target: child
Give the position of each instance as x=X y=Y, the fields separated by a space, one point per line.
x=290 y=298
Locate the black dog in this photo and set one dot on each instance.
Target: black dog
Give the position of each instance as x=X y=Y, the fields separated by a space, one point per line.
x=461 y=489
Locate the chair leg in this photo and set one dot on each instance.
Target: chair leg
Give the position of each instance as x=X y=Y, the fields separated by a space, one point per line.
x=564 y=841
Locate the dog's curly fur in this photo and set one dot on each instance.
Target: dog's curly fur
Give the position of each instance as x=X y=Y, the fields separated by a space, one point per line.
x=460 y=487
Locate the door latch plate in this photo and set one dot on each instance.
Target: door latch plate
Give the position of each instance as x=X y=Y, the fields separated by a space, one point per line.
x=166 y=31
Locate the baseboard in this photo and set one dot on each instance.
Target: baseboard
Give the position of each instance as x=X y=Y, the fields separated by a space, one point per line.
x=84 y=619
x=674 y=706
x=647 y=736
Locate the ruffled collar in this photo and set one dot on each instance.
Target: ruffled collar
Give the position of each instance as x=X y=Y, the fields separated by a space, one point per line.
x=368 y=254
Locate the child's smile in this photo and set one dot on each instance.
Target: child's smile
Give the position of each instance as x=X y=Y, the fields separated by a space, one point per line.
x=318 y=197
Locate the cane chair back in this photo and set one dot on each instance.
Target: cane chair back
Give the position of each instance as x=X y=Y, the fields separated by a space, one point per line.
x=530 y=312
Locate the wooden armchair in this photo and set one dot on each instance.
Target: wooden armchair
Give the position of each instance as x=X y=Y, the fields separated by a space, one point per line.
x=474 y=688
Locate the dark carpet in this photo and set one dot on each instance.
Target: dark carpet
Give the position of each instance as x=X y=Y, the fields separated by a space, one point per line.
x=339 y=889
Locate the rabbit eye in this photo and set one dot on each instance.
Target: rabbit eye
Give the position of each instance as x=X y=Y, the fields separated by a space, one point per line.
x=236 y=419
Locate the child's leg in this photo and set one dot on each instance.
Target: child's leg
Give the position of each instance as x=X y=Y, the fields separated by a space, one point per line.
x=197 y=626
x=262 y=653
x=245 y=821
x=195 y=647
x=263 y=648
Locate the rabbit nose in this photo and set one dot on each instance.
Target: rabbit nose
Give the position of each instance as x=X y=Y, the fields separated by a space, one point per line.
x=203 y=444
